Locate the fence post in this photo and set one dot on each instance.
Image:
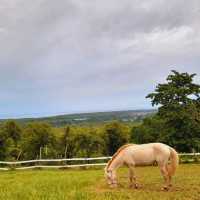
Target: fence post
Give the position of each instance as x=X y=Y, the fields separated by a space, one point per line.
x=13 y=166
x=40 y=153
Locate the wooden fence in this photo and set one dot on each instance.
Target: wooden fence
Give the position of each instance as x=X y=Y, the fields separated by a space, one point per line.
x=71 y=162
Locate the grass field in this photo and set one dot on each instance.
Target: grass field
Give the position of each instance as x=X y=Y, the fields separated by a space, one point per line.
x=90 y=184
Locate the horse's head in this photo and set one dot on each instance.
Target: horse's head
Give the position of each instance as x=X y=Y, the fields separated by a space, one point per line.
x=110 y=177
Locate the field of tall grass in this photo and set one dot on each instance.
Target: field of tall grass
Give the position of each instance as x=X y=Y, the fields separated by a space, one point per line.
x=90 y=184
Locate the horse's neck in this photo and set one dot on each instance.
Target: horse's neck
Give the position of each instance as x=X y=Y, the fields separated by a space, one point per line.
x=116 y=163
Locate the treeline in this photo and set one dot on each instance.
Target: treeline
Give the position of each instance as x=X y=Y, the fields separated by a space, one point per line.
x=41 y=140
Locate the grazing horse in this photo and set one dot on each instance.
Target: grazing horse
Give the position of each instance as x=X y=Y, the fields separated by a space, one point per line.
x=133 y=155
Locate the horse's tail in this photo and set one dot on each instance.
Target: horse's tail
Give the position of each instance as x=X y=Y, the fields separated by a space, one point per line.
x=174 y=160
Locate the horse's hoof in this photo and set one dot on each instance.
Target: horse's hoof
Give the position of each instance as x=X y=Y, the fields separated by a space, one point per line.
x=165 y=188
x=137 y=186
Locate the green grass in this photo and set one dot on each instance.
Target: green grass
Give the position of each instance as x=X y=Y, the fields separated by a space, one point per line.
x=90 y=184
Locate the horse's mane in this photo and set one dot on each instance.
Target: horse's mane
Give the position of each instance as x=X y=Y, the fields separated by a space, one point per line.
x=116 y=154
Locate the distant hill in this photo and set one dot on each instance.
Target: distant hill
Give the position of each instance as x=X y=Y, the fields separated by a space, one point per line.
x=95 y=117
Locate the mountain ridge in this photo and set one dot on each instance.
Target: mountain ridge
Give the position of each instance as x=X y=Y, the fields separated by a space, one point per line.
x=89 y=117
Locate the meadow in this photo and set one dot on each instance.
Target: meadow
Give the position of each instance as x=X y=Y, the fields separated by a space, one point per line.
x=81 y=184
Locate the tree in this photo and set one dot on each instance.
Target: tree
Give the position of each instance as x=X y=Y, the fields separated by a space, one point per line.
x=115 y=135
x=66 y=140
x=88 y=143
x=3 y=144
x=67 y=143
x=179 y=101
x=10 y=137
x=151 y=130
x=178 y=92
x=38 y=138
x=13 y=130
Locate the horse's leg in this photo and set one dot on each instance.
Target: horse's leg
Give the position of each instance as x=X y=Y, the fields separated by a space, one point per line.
x=170 y=177
x=170 y=181
x=132 y=177
x=165 y=175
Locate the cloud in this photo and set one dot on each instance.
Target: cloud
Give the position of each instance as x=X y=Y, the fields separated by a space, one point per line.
x=72 y=56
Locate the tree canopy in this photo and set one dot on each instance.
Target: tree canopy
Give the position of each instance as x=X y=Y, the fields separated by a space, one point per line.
x=178 y=117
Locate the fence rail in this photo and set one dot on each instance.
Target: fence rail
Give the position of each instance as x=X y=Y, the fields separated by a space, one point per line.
x=38 y=163
x=53 y=160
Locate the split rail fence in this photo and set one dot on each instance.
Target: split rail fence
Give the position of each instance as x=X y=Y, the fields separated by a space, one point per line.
x=72 y=162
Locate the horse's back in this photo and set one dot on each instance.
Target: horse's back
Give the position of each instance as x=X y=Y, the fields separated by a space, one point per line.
x=145 y=154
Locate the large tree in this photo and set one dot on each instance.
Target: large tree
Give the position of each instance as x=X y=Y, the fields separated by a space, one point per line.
x=178 y=100
x=178 y=92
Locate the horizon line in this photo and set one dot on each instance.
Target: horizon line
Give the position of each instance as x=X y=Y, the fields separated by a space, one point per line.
x=31 y=116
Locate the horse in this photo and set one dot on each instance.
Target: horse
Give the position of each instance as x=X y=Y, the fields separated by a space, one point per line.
x=133 y=155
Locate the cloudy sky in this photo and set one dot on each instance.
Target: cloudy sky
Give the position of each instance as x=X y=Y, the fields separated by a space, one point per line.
x=72 y=56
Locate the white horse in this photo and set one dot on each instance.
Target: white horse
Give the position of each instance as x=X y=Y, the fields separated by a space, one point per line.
x=133 y=155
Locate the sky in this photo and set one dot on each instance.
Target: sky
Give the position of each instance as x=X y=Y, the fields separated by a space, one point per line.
x=72 y=56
